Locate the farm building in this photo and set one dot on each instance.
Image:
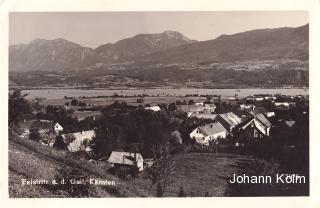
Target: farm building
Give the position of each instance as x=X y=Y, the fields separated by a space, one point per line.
x=247 y=107
x=191 y=108
x=153 y=108
x=228 y=120
x=209 y=132
x=258 y=127
x=257 y=110
x=78 y=141
x=82 y=115
x=128 y=159
x=204 y=115
x=243 y=115
x=45 y=125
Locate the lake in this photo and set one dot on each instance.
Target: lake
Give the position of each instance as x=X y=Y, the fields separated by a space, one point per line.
x=61 y=93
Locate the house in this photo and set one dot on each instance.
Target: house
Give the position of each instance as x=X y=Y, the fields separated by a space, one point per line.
x=208 y=133
x=46 y=126
x=258 y=127
x=243 y=115
x=154 y=108
x=78 y=141
x=228 y=121
x=129 y=159
x=210 y=107
x=82 y=115
x=191 y=108
x=24 y=128
x=148 y=162
x=258 y=109
x=290 y=123
x=248 y=107
x=204 y=115
x=281 y=104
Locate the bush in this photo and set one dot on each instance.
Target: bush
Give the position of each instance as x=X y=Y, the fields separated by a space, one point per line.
x=34 y=135
x=69 y=177
x=182 y=193
x=74 y=102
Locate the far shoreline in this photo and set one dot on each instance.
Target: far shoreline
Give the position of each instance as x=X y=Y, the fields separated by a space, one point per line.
x=149 y=88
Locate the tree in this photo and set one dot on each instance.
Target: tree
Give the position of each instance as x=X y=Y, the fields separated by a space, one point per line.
x=140 y=100
x=18 y=107
x=182 y=193
x=70 y=176
x=191 y=102
x=74 y=102
x=172 y=107
x=159 y=190
x=34 y=135
x=160 y=172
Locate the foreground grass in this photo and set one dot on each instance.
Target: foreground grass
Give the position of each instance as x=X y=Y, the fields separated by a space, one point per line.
x=31 y=160
x=200 y=173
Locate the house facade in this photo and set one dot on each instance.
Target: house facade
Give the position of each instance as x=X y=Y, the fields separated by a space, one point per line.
x=207 y=133
x=258 y=127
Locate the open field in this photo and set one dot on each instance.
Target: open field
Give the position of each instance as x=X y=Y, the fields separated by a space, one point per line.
x=163 y=92
x=199 y=173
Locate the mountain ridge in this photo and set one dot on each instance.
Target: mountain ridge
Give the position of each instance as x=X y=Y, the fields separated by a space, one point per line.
x=168 y=47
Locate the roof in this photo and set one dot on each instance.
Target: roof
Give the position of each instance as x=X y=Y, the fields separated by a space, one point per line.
x=290 y=123
x=260 y=117
x=212 y=128
x=190 y=108
x=127 y=158
x=242 y=114
x=154 y=108
x=78 y=136
x=42 y=124
x=258 y=110
x=231 y=118
x=81 y=115
x=204 y=115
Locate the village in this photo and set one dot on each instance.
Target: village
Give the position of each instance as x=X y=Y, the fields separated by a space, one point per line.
x=212 y=125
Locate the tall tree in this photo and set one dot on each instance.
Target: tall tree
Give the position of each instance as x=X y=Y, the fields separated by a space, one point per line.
x=18 y=106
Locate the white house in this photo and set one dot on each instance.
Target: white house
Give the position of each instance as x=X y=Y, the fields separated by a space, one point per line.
x=78 y=141
x=58 y=128
x=130 y=159
x=207 y=133
x=153 y=108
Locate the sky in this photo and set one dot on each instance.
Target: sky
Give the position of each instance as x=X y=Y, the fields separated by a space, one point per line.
x=92 y=29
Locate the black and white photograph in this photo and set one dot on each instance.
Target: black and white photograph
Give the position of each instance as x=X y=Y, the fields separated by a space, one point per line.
x=135 y=104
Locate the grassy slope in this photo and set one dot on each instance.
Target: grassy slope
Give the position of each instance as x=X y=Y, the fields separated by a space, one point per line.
x=29 y=159
x=200 y=173
x=196 y=172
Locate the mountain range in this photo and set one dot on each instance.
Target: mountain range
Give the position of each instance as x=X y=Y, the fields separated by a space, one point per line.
x=169 y=47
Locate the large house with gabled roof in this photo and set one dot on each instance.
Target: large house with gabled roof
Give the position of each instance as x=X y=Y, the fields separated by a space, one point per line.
x=207 y=133
x=258 y=127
